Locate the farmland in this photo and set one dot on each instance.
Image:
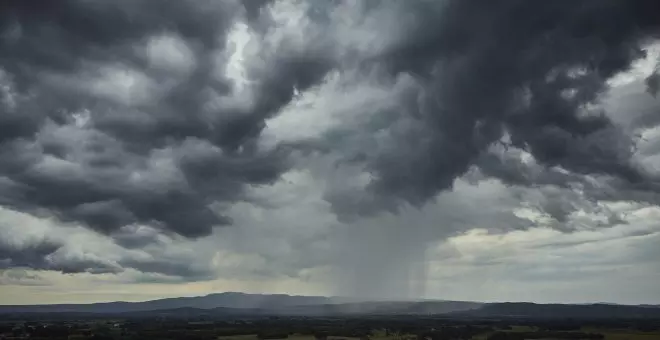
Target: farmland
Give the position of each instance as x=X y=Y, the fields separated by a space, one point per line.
x=337 y=328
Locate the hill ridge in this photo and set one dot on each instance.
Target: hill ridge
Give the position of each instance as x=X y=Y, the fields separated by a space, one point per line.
x=239 y=303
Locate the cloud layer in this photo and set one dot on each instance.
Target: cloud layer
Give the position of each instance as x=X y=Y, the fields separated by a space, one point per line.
x=194 y=140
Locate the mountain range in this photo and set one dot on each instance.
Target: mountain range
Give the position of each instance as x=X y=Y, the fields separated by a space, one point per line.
x=233 y=304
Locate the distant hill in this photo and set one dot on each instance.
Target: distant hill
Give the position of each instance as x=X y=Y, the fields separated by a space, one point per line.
x=244 y=305
x=566 y=311
x=241 y=303
x=229 y=300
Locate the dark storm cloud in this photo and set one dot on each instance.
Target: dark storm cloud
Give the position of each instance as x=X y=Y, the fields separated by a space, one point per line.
x=159 y=162
x=47 y=255
x=254 y=7
x=180 y=144
x=145 y=251
x=29 y=255
x=524 y=68
x=133 y=237
x=43 y=255
x=63 y=34
x=512 y=170
x=653 y=83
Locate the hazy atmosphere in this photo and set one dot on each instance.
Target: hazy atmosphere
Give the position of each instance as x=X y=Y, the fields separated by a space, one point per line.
x=481 y=150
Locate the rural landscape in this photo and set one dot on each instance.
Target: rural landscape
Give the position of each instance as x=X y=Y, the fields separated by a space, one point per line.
x=404 y=169
x=238 y=316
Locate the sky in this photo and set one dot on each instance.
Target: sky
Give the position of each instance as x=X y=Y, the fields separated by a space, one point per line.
x=482 y=150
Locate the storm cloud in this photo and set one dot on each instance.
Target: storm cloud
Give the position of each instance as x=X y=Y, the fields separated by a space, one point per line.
x=46 y=255
x=105 y=128
x=150 y=123
x=532 y=73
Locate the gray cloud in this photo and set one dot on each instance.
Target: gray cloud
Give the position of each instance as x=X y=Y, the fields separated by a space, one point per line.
x=133 y=253
x=172 y=267
x=87 y=153
x=158 y=256
x=653 y=83
x=20 y=277
x=120 y=117
x=45 y=255
x=28 y=255
x=525 y=69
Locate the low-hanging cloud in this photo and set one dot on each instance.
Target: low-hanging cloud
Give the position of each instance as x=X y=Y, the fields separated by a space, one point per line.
x=46 y=255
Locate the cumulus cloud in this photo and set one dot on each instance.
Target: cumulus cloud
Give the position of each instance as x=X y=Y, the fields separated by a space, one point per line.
x=49 y=255
x=113 y=127
x=134 y=254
